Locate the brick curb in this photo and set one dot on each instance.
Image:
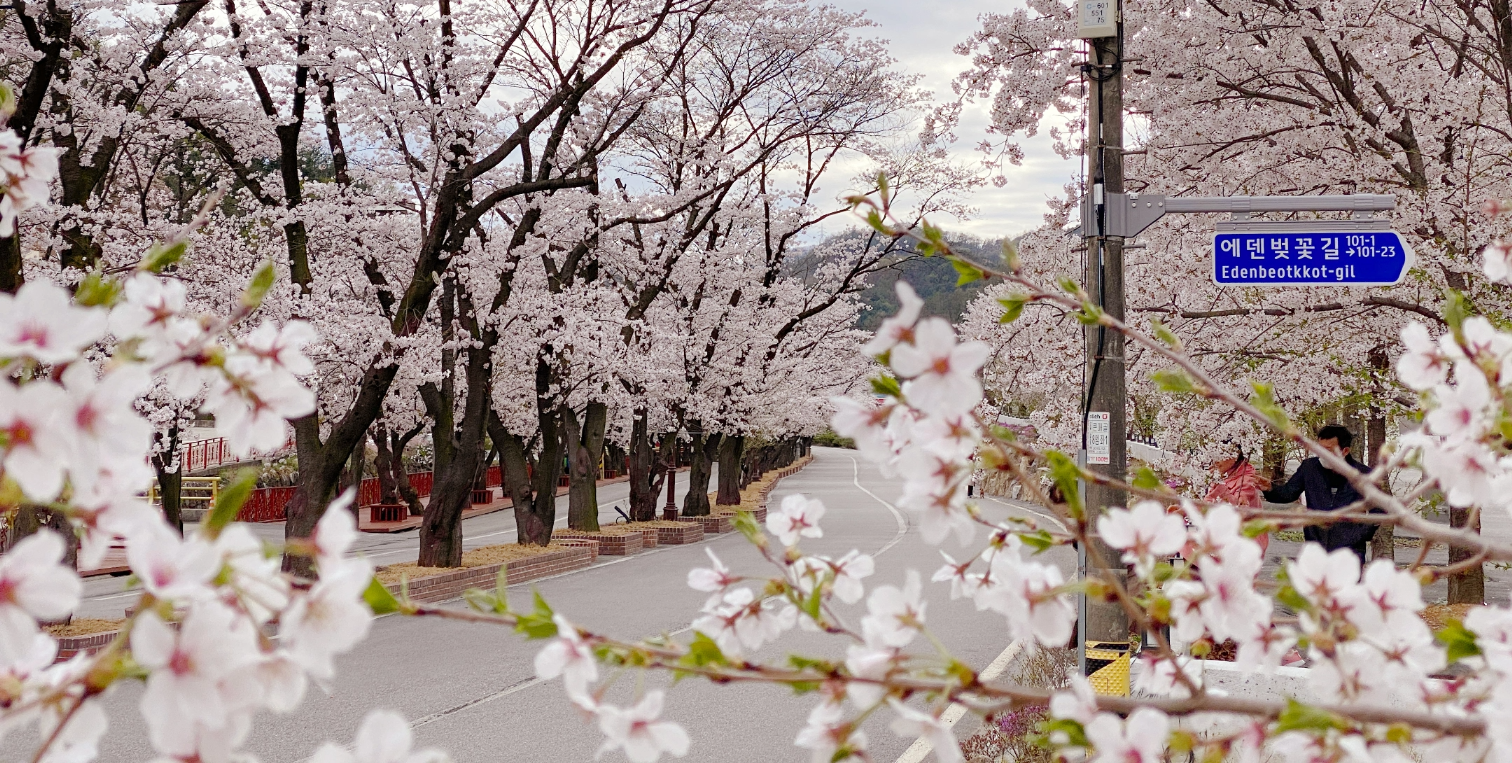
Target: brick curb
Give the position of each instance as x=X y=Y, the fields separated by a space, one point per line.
x=450 y=585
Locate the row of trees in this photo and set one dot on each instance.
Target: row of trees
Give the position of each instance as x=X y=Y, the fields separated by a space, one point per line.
x=540 y=225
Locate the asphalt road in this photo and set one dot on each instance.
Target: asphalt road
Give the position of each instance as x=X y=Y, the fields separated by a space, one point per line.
x=470 y=689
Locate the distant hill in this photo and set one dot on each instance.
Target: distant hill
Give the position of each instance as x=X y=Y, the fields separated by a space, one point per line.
x=932 y=277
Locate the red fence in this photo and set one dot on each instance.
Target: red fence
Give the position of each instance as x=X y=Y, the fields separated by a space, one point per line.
x=204 y=454
x=267 y=504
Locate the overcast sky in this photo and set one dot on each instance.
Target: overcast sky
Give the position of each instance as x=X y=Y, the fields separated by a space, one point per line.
x=923 y=34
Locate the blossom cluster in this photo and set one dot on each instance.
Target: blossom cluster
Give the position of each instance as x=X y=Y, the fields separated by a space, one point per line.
x=25 y=172
x=219 y=632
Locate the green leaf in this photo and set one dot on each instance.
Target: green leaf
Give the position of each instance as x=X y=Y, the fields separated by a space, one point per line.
x=745 y=522
x=874 y=219
x=229 y=500
x=1456 y=310
x=161 y=255
x=1069 y=285
x=805 y=687
x=1300 y=717
x=1076 y=736
x=886 y=385
x=1165 y=335
x=1013 y=307
x=1458 y=641
x=812 y=602
x=1089 y=314
x=1174 y=380
x=882 y=186
x=1145 y=479
x=537 y=624
x=379 y=598
x=1294 y=601
x=97 y=290
x=703 y=652
x=261 y=282
x=799 y=662
x=1064 y=472
x=1258 y=527
x=7 y=101
x=1264 y=399
x=1039 y=540
x=967 y=272
x=1011 y=256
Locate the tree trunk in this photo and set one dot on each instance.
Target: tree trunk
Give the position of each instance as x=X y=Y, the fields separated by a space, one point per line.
x=1469 y=586
x=29 y=519
x=532 y=480
x=1383 y=545
x=705 y=450
x=170 y=483
x=356 y=463
x=451 y=492
x=729 y=470
x=585 y=446
x=383 y=463
x=646 y=472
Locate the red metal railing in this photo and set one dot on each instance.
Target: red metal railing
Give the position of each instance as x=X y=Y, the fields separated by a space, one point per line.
x=267 y=504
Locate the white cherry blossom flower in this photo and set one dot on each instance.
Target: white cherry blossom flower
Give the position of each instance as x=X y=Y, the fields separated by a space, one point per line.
x=963 y=582
x=188 y=667
x=1461 y=411
x=171 y=567
x=798 y=516
x=34 y=585
x=335 y=533
x=827 y=732
x=867 y=424
x=1140 y=739
x=714 y=580
x=1322 y=577
x=252 y=405
x=898 y=328
x=282 y=346
x=894 y=615
x=914 y=723
x=941 y=374
x=329 y=619
x=36 y=449
x=1423 y=365
x=1145 y=533
x=871 y=663
x=255 y=575
x=79 y=739
x=639 y=732
x=739 y=621
x=1496 y=261
x=1079 y=704
x=42 y=323
x=384 y=737
x=570 y=657
x=100 y=424
x=1022 y=592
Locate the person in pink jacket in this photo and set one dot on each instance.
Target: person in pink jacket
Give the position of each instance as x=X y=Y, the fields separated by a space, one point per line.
x=1240 y=485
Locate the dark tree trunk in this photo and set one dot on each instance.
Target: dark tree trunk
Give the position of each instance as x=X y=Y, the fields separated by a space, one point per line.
x=646 y=470
x=532 y=480
x=705 y=450
x=29 y=519
x=729 y=470
x=383 y=463
x=407 y=490
x=1469 y=586
x=356 y=464
x=1383 y=546
x=451 y=491
x=585 y=446
x=170 y=477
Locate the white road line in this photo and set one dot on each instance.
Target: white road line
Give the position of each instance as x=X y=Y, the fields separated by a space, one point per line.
x=921 y=748
x=897 y=515
x=1030 y=509
x=519 y=687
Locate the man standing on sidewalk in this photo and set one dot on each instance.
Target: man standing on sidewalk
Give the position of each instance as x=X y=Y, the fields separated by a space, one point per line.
x=1327 y=490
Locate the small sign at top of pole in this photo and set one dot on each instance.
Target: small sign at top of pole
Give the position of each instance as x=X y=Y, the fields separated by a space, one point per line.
x=1096 y=18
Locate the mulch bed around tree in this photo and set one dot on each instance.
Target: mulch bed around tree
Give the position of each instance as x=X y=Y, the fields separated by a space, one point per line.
x=478 y=557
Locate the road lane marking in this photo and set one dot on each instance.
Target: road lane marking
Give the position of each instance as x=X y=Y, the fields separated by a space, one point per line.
x=897 y=515
x=921 y=747
x=519 y=687
x=1030 y=509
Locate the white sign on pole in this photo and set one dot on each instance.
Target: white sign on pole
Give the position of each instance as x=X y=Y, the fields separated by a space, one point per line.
x=1099 y=438
x=1096 y=18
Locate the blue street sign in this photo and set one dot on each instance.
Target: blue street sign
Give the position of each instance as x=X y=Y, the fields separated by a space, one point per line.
x=1318 y=258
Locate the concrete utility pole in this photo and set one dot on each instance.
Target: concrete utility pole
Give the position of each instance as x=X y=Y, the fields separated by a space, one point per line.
x=1105 y=445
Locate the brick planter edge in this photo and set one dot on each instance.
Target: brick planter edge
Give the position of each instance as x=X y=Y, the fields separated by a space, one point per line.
x=450 y=585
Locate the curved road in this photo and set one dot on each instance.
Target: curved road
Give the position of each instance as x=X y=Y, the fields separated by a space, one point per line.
x=470 y=689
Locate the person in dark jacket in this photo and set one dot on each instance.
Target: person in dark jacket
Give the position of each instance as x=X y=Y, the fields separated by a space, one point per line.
x=1328 y=490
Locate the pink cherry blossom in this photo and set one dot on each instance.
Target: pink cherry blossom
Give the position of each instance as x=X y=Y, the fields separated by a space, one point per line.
x=1496 y=261
x=169 y=566
x=34 y=585
x=914 y=723
x=941 y=374
x=894 y=615
x=827 y=732
x=36 y=449
x=329 y=619
x=1423 y=365
x=1139 y=739
x=639 y=731
x=384 y=737
x=1145 y=533
x=899 y=328
x=797 y=516
x=570 y=657
x=42 y=323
